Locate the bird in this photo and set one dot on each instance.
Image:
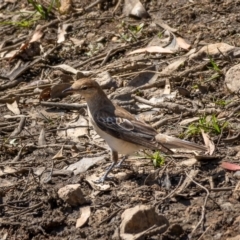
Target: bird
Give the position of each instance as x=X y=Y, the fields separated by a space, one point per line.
x=122 y=131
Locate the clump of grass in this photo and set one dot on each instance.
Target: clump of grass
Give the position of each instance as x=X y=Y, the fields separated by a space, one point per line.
x=157 y=158
x=42 y=10
x=22 y=23
x=222 y=103
x=210 y=125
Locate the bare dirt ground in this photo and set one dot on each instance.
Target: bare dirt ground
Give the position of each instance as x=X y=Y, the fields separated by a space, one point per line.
x=177 y=92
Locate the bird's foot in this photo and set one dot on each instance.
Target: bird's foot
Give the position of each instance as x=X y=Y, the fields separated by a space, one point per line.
x=105 y=176
x=121 y=162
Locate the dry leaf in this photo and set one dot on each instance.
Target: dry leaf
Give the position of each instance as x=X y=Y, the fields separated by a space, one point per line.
x=167 y=88
x=28 y=51
x=6 y=183
x=75 y=132
x=84 y=164
x=77 y=42
x=62 y=31
x=214 y=50
x=151 y=49
x=105 y=186
x=7 y=170
x=182 y=43
x=173 y=46
x=66 y=68
x=13 y=107
x=174 y=66
x=208 y=143
x=85 y=214
x=189 y=120
x=59 y=155
x=230 y=166
x=41 y=139
x=45 y=94
x=37 y=34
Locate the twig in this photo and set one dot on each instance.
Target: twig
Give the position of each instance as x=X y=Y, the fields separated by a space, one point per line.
x=11 y=84
x=186 y=182
x=19 y=128
x=118 y=4
x=17 y=158
x=50 y=174
x=93 y=4
x=25 y=185
x=204 y=232
x=28 y=210
x=203 y=206
x=107 y=57
x=69 y=106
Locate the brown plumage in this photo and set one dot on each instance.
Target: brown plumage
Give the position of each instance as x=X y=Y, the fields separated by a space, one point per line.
x=121 y=130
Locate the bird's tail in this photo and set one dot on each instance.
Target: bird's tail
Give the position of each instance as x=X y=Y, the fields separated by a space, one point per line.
x=173 y=142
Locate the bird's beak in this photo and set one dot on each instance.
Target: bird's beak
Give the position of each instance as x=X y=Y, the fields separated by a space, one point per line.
x=70 y=89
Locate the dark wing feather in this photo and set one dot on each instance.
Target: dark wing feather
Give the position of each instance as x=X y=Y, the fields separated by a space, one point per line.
x=126 y=127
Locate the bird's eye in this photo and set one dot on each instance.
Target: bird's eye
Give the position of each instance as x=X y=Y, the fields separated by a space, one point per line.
x=84 y=88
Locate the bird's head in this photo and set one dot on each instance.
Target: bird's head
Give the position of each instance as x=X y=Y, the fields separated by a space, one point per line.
x=86 y=87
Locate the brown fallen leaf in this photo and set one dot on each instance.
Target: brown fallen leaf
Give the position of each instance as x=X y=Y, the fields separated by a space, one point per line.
x=77 y=42
x=45 y=94
x=13 y=107
x=41 y=139
x=59 y=154
x=151 y=49
x=208 y=142
x=27 y=51
x=62 y=32
x=7 y=170
x=183 y=43
x=230 y=166
x=85 y=214
x=37 y=34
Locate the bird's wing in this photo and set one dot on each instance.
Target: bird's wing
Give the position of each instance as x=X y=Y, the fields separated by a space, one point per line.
x=121 y=124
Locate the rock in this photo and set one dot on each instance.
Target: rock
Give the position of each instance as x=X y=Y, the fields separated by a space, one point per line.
x=232 y=79
x=237 y=174
x=72 y=194
x=106 y=80
x=131 y=226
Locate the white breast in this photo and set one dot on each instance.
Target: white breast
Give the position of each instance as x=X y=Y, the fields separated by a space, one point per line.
x=115 y=144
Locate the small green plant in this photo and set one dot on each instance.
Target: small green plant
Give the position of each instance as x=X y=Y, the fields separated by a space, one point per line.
x=126 y=37
x=195 y=86
x=212 y=125
x=157 y=158
x=160 y=35
x=214 y=64
x=136 y=29
x=222 y=103
x=22 y=23
x=42 y=10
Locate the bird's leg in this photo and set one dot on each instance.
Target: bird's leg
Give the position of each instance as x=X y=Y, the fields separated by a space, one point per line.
x=120 y=163
x=114 y=161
